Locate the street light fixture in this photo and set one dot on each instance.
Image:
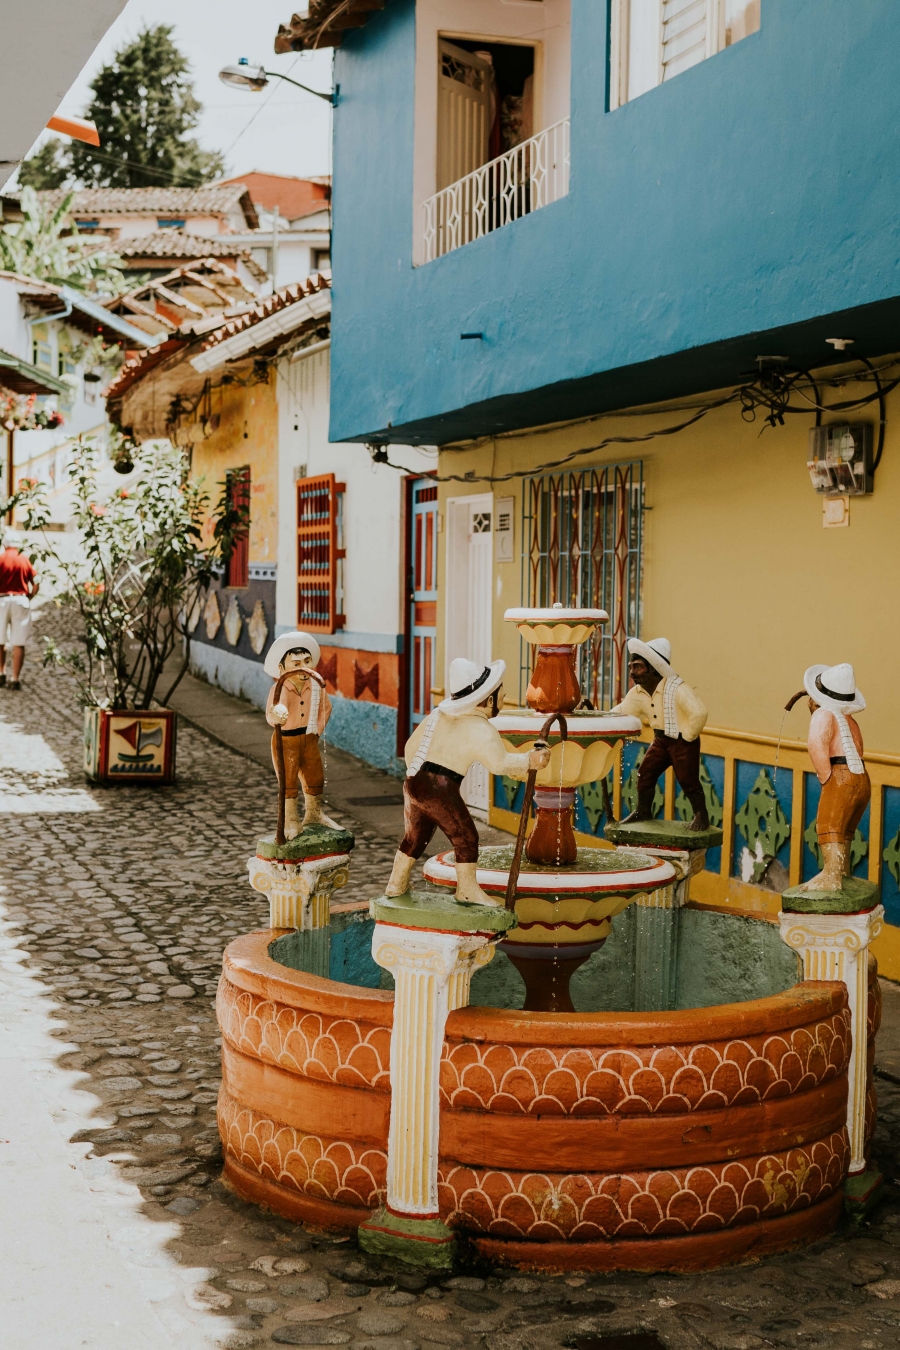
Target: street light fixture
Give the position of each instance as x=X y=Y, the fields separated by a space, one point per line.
x=254 y=77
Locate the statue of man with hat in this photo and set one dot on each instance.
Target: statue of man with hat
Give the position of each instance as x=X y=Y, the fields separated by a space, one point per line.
x=302 y=713
x=439 y=754
x=835 y=746
x=662 y=700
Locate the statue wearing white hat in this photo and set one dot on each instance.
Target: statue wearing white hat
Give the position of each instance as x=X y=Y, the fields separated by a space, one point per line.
x=302 y=713
x=835 y=746
x=439 y=754
x=662 y=700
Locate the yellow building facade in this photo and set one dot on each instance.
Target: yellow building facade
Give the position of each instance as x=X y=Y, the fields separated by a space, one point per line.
x=741 y=570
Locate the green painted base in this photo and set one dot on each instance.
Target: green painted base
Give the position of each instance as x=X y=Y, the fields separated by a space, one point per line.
x=662 y=834
x=862 y=1192
x=427 y=909
x=416 y=1242
x=856 y=896
x=315 y=841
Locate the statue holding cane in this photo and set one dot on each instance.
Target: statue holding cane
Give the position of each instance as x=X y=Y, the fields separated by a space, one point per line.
x=298 y=709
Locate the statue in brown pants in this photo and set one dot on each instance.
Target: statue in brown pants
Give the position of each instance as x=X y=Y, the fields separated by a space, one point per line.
x=836 y=749
x=302 y=713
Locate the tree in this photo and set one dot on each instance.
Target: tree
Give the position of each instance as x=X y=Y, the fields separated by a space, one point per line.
x=44 y=246
x=47 y=168
x=143 y=106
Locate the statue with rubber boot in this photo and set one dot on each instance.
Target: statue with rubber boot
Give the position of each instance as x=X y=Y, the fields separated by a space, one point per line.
x=676 y=715
x=298 y=709
x=439 y=754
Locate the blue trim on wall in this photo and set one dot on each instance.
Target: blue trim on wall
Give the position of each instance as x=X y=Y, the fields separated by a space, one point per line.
x=748 y=201
x=367 y=730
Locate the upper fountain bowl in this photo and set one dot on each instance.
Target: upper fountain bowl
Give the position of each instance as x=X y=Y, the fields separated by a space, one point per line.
x=556 y=625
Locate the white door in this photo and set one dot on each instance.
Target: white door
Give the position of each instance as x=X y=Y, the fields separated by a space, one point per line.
x=468 y=632
x=464 y=113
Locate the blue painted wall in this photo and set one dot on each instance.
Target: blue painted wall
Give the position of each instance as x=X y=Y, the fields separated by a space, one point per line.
x=753 y=195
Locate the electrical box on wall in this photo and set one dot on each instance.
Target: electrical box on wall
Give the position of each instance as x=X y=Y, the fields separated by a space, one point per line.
x=840 y=459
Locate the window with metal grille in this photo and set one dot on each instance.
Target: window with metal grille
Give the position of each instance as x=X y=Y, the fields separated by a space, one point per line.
x=320 y=554
x=583 y=535
x=237 y=571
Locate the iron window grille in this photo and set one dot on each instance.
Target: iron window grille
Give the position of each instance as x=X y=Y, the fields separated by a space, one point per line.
x=320 y=554
x=583 y=544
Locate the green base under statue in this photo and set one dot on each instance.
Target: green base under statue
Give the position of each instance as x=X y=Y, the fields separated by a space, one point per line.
x=314 y=841
x=661 y=834
x=415 y=1242
x=862 y=1192
x=856 y=896
x=430 y=909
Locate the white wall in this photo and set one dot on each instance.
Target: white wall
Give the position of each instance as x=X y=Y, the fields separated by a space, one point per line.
x=372 y=505
x=545 y=23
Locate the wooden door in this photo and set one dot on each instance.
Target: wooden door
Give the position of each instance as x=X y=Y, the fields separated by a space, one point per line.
x=422 y=627
x=464 y=113
x=469 y=608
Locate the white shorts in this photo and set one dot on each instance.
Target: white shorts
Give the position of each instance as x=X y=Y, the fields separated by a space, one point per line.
x=15 y=620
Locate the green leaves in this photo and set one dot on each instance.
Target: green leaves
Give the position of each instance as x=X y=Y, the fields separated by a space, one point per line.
x=44 y=246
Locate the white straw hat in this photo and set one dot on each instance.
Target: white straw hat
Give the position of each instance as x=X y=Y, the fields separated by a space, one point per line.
x=834 y=688
x=289 y=642
x=657 y=653
x=470 y=684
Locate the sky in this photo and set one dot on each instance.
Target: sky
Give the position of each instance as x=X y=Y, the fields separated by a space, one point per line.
x=281 y=130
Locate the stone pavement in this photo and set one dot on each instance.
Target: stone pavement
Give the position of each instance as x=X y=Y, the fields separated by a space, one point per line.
x=117 y=1229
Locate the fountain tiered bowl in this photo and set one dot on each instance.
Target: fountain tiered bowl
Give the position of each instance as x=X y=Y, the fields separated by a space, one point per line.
x=566 y=897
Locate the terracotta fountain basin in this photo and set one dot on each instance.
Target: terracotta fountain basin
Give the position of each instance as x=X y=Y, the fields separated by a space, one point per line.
x=582 y=1141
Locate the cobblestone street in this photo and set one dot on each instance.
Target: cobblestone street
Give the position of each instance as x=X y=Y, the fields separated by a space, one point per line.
x=117 y=905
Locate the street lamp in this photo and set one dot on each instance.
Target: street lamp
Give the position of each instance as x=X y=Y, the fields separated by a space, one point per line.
x=255 y=78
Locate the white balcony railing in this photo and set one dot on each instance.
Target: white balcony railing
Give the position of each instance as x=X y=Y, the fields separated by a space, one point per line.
x=530 y=176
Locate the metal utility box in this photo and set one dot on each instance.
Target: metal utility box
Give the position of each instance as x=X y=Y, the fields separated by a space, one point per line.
x=840 y=459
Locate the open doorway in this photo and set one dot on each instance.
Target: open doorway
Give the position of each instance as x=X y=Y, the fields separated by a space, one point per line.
x=485 y=103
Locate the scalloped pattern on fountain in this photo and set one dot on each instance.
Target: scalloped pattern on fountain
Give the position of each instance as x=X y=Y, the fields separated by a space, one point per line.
x=312 y=1044
x=351 y=1174
x=553 y=1207
x=643 y=1080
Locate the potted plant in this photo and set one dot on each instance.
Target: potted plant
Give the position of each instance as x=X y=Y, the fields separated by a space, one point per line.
x=148 y=552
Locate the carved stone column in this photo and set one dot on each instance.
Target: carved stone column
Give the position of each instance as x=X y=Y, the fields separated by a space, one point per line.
x=835 y=947
x=432 y=947
x=300 y=897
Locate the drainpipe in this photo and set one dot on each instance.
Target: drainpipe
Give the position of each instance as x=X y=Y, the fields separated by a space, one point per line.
x=275 y=218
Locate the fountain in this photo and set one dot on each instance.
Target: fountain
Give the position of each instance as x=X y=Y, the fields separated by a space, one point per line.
x=564 y=898
x=656 y=1104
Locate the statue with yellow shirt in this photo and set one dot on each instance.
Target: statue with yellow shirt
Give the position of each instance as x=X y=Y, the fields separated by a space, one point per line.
x=439 y=754
x=662 y=700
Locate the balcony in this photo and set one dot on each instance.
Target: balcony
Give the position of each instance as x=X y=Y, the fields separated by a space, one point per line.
x=529 y=176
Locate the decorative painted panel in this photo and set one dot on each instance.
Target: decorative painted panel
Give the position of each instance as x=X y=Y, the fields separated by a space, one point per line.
x=890 y=855
x=762 y=823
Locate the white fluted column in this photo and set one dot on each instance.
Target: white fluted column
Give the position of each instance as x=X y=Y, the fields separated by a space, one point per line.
x=300 y=897
x=836 y=947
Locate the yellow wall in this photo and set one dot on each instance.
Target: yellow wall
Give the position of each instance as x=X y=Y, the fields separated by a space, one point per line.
x=251 y=409
x=739 y=572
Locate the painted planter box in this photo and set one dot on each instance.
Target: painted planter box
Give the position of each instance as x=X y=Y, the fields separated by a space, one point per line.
x=659 y=1141
x=129 y=747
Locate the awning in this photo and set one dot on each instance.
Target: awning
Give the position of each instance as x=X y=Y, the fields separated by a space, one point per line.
x=21 y=377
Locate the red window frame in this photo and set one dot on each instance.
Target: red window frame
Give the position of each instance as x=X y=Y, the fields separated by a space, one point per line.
x=237 y=571
x=320 y=554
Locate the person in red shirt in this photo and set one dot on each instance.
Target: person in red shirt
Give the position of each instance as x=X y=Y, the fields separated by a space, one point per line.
x=18 y=588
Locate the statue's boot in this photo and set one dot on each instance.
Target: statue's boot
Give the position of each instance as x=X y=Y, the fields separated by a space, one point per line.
x=315 y=815
x=468 y=890
x=644 y=808
x=836 y=858
x=400 y=874
x=292 y=824
x=701 y=815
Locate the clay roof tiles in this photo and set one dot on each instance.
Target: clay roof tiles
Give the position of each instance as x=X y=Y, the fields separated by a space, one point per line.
x=219 y=199
x=324 y=24
x=288 y=295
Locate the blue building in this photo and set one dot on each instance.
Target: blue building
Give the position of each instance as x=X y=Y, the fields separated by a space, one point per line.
x=626 y=262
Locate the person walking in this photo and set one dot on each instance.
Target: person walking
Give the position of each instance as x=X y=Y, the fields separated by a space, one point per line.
x=18 y=587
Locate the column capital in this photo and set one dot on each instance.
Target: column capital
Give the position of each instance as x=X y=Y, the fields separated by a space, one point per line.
x=847 y=932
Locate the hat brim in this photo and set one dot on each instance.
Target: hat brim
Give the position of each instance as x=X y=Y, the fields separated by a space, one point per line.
x=454 y=706
x=289 y=642
x=651 y=656
x=832 y=704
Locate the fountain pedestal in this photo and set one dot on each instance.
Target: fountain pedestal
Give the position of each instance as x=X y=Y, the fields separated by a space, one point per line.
x=835 y=946
x=432 y=945
x=299 y=877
